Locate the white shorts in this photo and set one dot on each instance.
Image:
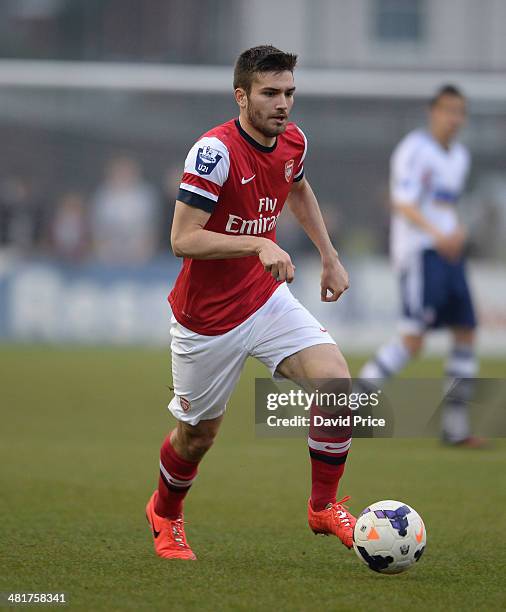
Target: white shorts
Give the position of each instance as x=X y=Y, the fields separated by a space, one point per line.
x=205 y=369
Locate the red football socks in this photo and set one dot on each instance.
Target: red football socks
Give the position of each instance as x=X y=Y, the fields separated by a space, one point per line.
x=176 y=478
x=328 y=449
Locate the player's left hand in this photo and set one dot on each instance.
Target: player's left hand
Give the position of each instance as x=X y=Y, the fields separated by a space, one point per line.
x=451 y=246
x=334 y=280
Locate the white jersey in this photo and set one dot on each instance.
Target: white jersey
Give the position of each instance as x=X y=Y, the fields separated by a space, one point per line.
x=424 y=174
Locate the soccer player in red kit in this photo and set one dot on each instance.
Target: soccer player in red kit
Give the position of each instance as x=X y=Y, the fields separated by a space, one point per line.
x=231 y=298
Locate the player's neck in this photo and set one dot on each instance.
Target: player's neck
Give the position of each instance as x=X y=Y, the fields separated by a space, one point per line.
x=263 y=140
x=443 y=139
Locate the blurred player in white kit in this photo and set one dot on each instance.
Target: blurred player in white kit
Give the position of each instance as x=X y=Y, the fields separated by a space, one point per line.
x=429 y=168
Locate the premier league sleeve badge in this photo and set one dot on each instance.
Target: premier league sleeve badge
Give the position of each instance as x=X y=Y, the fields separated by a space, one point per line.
x=207 y=160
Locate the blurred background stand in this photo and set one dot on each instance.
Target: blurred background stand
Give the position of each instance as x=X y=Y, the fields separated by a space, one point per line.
x=101 y=101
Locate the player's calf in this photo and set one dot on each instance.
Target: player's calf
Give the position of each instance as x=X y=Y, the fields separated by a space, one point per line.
x=192 y=442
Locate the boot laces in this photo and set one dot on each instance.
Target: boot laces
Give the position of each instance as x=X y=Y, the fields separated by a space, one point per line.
x=177 y=528
x=341 y=512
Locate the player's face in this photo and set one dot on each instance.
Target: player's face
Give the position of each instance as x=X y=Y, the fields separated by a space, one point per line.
x=448 y=115
x=270 y=101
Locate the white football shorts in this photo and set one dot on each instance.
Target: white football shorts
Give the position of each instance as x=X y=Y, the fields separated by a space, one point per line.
x=205 y=369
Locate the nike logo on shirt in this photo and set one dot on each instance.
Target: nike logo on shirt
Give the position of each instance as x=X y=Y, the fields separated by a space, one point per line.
x=247 y=180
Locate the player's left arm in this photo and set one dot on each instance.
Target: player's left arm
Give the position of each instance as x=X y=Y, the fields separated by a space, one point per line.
x=304 y=205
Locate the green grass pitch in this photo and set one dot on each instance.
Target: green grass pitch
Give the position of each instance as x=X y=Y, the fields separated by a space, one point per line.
x=80 y=435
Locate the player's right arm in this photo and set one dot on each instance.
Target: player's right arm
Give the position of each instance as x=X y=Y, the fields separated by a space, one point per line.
x=407 y=171
x=206 y=170
x=189 y=239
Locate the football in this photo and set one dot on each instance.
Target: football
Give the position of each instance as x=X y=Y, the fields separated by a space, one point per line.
x=389 y=537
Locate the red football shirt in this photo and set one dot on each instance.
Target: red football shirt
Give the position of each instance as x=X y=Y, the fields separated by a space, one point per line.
x=244 y=186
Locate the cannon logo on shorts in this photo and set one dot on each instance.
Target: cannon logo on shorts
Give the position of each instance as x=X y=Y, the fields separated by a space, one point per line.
x=185 y=404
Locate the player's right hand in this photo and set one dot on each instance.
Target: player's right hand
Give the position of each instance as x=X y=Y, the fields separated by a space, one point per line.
x=450 y=246
x=276 y=261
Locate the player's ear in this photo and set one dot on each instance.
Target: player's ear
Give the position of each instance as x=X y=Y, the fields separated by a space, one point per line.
x=241 y=97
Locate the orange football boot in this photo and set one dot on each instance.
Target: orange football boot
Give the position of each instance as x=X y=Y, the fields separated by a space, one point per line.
x=335 y=519
x=168 y=534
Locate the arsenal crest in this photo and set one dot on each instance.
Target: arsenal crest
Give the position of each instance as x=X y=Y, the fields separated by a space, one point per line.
x=289 y=169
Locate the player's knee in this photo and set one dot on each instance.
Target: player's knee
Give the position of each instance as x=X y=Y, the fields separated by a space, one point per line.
x=343 y=372
x=343 y=383
x=413 y=344
x=463 y=336
x=337 y=370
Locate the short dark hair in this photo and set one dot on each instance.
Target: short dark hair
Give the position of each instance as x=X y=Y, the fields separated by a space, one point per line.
x=446 y=90
x=264 y=58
